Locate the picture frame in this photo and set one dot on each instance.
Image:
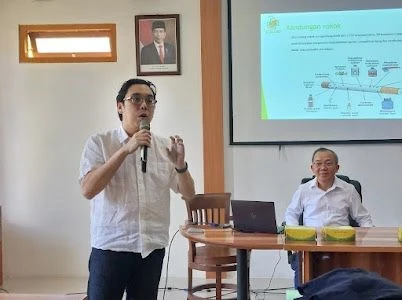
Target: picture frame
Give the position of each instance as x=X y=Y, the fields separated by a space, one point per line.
x=150 y=31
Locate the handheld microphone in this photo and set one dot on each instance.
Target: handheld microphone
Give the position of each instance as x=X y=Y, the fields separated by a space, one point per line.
x=144 y=124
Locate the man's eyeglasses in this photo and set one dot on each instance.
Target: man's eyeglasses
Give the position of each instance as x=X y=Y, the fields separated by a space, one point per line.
x=319 y=164
x=139 y=98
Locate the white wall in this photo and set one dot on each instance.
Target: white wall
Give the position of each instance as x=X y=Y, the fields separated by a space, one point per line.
x=49 y=110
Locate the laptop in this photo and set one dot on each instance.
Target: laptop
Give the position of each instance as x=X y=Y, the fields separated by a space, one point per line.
x=254 y=216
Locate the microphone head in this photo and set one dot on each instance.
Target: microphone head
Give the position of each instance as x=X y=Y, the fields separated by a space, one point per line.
x=144 y=124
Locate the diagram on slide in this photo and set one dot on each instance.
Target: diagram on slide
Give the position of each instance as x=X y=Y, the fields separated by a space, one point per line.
x=358 y=87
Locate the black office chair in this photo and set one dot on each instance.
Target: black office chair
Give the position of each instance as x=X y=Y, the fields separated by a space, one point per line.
x=352 y=222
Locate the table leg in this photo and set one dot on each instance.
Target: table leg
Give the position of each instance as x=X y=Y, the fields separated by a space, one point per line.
x=307 y=266
x=242 y=275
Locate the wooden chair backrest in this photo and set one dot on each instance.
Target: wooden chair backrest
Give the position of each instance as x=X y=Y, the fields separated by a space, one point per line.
x=210 y=208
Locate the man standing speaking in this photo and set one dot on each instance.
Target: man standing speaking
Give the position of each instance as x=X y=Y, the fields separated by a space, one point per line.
x=130 y=204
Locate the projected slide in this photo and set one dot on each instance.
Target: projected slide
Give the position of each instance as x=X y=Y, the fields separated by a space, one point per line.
x=339 y=65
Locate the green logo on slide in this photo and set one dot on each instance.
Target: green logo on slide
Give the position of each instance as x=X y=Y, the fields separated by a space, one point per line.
x=272 y=25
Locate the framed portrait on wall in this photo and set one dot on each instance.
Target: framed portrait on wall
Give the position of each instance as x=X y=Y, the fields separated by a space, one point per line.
x=157 y=40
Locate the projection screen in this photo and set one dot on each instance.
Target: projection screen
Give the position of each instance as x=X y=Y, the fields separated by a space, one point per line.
x=315 y=71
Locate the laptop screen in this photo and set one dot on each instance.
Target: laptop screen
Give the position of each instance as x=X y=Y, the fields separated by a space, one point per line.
x=254 y=216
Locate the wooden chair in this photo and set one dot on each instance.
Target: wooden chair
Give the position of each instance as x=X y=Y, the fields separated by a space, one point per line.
x=205 y=209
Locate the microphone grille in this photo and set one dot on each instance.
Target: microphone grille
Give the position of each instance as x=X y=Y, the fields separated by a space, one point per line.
x=144 y=124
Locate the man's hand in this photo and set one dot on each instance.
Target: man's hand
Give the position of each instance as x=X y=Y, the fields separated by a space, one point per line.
x=140 y=138
x=176 y=152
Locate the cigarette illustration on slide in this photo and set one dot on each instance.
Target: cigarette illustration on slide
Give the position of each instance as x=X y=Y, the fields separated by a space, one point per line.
x=349 y=87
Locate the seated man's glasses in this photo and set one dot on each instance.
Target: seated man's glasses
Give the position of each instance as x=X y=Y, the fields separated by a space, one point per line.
x=320 y=164
x=138 y=98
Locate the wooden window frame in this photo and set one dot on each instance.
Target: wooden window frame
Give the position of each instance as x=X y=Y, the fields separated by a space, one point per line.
x=29 y=54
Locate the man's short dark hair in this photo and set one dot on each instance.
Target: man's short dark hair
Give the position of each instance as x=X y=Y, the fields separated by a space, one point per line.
x=322 y=149
x=126 y=85
x=158 y=24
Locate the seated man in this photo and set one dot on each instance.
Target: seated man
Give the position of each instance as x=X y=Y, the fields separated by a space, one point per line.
x=326 y=200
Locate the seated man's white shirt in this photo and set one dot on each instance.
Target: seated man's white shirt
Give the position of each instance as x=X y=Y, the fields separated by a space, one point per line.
x=133 y=212
x=327 y=208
